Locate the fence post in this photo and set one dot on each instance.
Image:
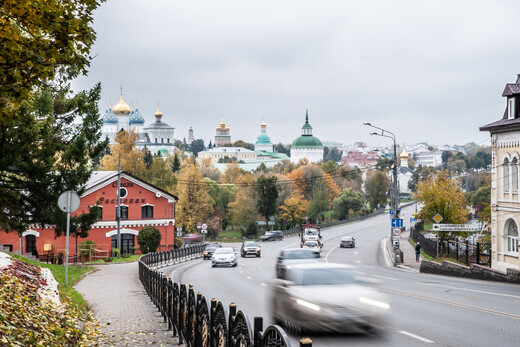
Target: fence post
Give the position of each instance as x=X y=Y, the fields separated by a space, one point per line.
x=257 y=328
x=467 y=252
x=231 y=322
x=457 y=250
x=478 y=253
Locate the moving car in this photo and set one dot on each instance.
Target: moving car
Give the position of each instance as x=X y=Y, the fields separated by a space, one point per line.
x=192 y=238
x=272 y=236
x=314 y=246
x=326 y=297
x=347 y=241
x=225 y=256
x=290 y=256
x=250 y=248
x=208 y=251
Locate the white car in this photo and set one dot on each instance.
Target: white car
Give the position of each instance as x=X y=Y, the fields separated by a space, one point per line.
x=314 y=246
x=327 y=297
x=225 y=256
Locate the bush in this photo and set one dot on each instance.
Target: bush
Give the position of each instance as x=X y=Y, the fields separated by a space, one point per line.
x=148 y=238
x=251 y=231
x=178 y=242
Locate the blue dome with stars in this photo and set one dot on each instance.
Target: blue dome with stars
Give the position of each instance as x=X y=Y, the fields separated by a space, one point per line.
x=136 y=117
x=109 y=117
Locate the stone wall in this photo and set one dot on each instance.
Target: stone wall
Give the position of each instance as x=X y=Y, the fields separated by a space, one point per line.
x=474 y=271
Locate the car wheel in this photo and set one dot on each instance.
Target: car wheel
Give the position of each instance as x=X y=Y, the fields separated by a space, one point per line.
x=258 y=255
x=242 y=255
x=235 y=264
x=212 y=265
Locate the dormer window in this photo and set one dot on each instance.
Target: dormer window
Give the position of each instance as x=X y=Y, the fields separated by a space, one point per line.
x=511 y=108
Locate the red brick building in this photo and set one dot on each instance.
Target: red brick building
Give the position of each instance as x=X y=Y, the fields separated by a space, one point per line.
x=142 y=204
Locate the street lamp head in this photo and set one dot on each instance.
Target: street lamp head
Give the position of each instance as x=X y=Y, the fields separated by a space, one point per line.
x=374 y=133
x=366 y=123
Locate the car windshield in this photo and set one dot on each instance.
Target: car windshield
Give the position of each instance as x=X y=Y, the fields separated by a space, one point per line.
x=320 y=276
x=298 y=254
x=224 y=251
x=311 y=244
x=211 y=248
x=311 y=232
x=268 y=233
x=346 y=238
x=250 y=244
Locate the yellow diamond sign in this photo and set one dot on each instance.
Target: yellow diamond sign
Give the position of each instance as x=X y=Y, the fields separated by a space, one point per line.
x=437 y=218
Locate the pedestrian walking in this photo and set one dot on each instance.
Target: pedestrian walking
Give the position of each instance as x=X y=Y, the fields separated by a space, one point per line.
x=417 y=251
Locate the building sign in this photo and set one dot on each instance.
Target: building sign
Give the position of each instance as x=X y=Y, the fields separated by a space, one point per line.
x=123 y=201
x=123 y=184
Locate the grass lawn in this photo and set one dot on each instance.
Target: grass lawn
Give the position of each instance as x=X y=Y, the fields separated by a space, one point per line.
x=229 y=236
x=133 y=257
x=58 y=271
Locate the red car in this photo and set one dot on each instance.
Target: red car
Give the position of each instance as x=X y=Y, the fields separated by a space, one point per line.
x=192 y=238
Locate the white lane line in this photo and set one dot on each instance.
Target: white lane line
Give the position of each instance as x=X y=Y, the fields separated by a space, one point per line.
x=385 y=253
x=180 y=267
x=241 y=271
x=360 y=272
x=263 y=284
x=249 y=277
x=472 y=290
x=327 y=256
x=416 y=336
x=386 y=278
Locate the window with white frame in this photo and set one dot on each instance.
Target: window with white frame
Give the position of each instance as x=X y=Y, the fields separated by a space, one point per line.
x=511 y=108
x=514 y=175
x=511 y=233
x=505 y=175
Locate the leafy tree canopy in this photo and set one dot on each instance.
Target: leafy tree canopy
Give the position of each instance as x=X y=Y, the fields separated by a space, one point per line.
x=149 y=239
x=349 y=201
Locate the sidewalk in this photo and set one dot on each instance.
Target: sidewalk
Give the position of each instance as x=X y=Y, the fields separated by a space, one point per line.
x=408 y=253
x=127 y=315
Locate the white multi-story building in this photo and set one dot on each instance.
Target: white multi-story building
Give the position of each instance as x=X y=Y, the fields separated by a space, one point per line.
x=429 y=158
x=307 y=146
x=505 y=194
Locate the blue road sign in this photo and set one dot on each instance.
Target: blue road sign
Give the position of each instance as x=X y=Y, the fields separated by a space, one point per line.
x=412 y=220
x=397 y=223
x=391 y=211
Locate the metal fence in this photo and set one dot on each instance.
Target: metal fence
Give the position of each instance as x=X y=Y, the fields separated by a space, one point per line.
x=196 y=321
x=460 y=250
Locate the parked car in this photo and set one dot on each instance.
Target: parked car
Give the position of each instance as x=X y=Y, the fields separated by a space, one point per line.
x=347 y=241
x=272 y=236
x=289 y=256
x=208 y=251
x=314 y=246
x=250 y=248
x=192 y=238
x=327 y=297
x=225 y=256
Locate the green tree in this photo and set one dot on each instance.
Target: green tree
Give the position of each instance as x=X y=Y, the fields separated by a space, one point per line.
x=87 y=248
x=266 y=195
x=149 y=239
x=221 y=196
x=243 y=207
x=319 y=202
x=329 y=167
x=147 y=157
x=176 y=165
x=348 y=200
x=197 y=146
x=377 y=187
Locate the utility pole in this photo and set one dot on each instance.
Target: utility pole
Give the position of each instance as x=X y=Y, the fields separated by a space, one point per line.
x=118 y=212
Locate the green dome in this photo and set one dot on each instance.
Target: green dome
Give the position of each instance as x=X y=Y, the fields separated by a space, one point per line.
x=307 y=141
x=163 y=152
x=263 y=140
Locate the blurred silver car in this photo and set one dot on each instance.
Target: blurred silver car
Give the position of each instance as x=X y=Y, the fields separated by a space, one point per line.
x=225 y=256
x=326 y=297
x=290 y=256
x=314 y=246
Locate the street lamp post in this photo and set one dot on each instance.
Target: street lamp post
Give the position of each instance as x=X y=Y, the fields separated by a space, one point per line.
x=395 y=194
x=118 y=213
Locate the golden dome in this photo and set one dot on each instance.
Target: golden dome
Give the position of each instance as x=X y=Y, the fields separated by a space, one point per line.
x=404 y=154
x=121 y=108
x=158 y=112
x=263 y=125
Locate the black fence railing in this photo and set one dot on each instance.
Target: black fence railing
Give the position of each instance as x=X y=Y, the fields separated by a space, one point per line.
x=460 y=250
x=194 y=320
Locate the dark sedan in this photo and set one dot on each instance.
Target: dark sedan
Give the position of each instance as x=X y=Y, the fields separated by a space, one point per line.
x=272 y=236
x=209 y=250
x=347 y=241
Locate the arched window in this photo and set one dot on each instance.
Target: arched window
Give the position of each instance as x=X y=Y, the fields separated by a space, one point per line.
x=100 y=213
x=124 y=212
x=511 y=233
x=505 y=175
x=514 y=175
x=147 y=211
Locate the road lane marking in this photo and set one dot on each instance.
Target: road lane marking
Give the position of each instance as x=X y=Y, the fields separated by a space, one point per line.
x=416 y=336
x=327 y=256
x=451 y=303
x=385 y=253
x=263 y=284
x=386 y=278
x=473 y=290
x=249 y=277
x=360 y=272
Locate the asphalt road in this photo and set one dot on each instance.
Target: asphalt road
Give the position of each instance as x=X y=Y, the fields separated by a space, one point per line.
x=424 y=309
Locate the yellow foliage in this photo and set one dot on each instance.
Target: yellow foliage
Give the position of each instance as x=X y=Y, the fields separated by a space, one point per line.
x=132 y=158
x=294 y=209
x=243 y=208
x=193 y=205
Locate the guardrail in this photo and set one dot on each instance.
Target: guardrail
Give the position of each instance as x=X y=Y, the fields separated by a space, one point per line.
x=197 y=322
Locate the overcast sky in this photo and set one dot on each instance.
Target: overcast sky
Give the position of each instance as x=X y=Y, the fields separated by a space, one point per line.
x=426 y=70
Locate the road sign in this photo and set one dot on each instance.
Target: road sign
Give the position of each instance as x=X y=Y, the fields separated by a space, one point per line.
x=204 y=226
x=179 y=233
x=204 y=231
x=391 y=212
x=454 y=227
x=412 y=219
x=68 y=201
x=198 y=225
x=396 y=231
x=397 y=223
x=438 y=218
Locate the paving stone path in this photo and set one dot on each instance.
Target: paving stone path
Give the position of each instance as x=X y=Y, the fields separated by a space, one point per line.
x=119 y=301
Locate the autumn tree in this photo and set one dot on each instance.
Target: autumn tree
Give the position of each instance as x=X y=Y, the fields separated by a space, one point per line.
x=442 y=194
x=319 y=202
x=221 y=196
x=193 y=205
x=233 y=173
x=266 y=195
x=132 y=158
x=293 y=210
x=376 y=185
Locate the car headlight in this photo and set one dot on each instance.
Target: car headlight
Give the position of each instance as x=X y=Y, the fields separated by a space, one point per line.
x=308 y=304
x=375 y=303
